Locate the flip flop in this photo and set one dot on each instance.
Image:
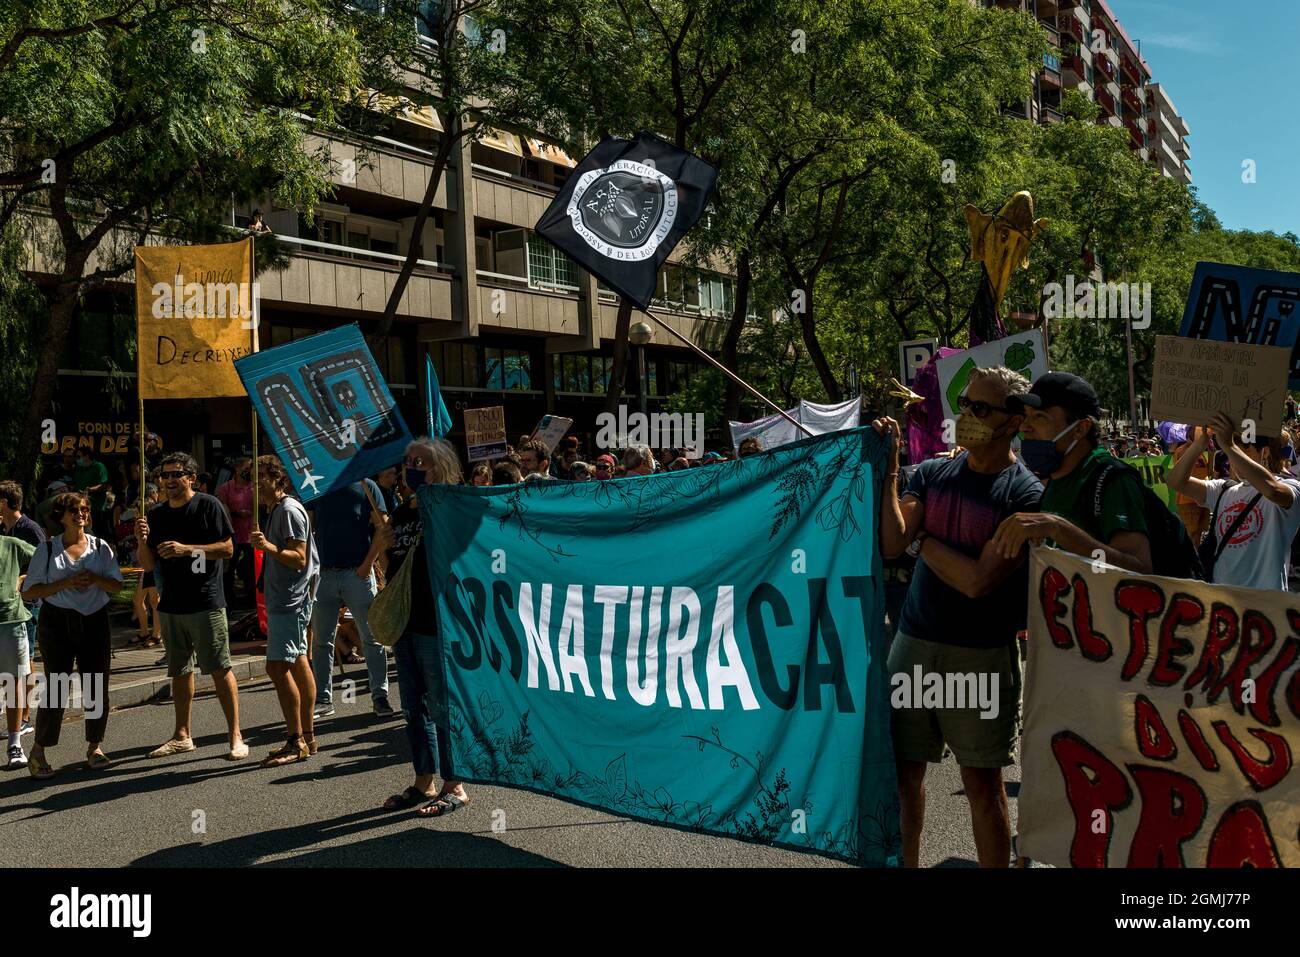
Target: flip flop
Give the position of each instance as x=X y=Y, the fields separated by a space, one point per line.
x=97 y=760
x=442 y=806
x=289 y=753
x=407 y=799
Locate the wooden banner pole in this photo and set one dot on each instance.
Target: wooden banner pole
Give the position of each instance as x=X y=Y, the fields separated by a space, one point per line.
x=729 y=374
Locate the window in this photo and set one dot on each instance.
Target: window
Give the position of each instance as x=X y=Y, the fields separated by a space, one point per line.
x=601 y=366
x=426 y=20
x=459 y=366
x=717 y=294
x=517 y=369
x=573 y=373
x=547 y=265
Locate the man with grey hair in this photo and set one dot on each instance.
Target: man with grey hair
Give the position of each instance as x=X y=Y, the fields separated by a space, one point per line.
x=964 y=607
x=638 y=460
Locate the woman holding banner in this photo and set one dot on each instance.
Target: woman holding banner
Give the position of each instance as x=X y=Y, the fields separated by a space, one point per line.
x=428 y=462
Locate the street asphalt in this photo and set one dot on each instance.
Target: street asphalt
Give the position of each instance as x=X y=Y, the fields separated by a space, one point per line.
x=200 y=810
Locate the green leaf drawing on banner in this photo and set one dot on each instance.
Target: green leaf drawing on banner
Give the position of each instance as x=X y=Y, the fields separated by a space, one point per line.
x=616 y=776
x=1019 y=357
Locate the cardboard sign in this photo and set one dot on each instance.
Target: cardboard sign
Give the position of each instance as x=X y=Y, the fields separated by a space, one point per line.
x=911 y=356
x=551 y=429
x=1024 y=353
x=1195 y=378
x=485 y=433
x=327 y=409
x=1256 y=306
x=195 y=310
x=1161 y=721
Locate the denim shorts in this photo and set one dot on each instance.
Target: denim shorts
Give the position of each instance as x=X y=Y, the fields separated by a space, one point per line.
x=286 y=633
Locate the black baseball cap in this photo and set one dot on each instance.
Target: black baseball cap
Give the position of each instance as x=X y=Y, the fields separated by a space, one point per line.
x=1063 y=389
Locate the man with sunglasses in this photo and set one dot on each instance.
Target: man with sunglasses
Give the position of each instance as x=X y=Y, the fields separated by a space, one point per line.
x=185 y=541
x=964 y=607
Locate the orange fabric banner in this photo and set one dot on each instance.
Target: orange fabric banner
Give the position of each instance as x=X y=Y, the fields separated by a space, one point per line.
x=194 y=309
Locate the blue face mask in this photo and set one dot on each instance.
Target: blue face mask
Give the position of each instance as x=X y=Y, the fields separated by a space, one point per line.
x=1041 y=456
x=414 y=478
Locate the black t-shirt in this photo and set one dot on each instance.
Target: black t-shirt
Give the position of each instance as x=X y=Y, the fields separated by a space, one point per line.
x=405 y=521
x=27 y=530
x=200 y=521
x=963 y=508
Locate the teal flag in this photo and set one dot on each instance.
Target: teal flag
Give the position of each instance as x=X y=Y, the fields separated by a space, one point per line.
x=437 y=418
x=702 y=648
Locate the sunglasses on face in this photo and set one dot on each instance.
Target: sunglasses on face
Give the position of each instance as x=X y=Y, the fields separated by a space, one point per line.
x=979 y=409
x=173 y=475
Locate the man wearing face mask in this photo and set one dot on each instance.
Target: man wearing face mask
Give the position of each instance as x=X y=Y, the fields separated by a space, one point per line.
x=1061 y=445
x=964 y=607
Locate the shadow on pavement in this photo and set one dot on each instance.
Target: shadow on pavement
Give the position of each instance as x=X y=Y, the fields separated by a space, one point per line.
x=416 y=846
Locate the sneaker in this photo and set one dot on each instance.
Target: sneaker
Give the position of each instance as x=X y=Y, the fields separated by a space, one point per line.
x=323 y=711
x=238 y=752
x=25 y=729
x=383 y=708
x=16 y=757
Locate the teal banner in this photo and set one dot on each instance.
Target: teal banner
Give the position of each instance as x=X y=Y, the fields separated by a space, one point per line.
x=702 y=649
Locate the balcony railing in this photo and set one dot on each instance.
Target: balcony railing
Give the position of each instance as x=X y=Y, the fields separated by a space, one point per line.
x=531 y=283
x=1106 y=101
x=352 y=252
x=1130 y=71
x=1052 y=62
x=1074 y=63
x=1104 y=66
x=1051 y=114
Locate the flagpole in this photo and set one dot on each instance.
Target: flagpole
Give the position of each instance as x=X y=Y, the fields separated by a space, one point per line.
x=727 y=372
x=252 y=409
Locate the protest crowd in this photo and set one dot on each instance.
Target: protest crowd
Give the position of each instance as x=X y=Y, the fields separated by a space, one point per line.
x=1032 y=464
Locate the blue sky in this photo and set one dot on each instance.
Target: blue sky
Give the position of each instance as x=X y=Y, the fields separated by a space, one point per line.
x=1230 y=68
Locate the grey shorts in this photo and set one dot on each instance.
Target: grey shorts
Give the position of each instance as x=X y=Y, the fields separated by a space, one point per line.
x=965 y=698
x=15 y=657
x=286 y=633
x=201 y=637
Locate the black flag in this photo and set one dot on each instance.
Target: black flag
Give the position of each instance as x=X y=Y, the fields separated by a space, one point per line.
x=624 y=209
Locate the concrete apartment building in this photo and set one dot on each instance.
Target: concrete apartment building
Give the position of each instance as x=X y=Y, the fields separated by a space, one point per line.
x=1099 y=60
x=507 y=318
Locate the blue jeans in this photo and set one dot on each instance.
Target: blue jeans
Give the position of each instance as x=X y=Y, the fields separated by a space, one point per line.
x=339 y=587
x=419 y=674
x=35 y=609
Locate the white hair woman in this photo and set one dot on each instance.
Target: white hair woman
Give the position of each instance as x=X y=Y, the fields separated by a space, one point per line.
x=428 y=462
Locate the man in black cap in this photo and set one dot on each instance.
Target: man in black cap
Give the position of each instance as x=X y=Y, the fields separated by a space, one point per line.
x=1061 y=445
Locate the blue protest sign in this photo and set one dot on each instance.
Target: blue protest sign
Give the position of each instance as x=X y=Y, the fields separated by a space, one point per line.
x=1237 y=304
x=326 y=408
x=726 y=675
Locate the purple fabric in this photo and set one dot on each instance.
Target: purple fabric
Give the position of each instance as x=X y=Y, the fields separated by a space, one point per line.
x=925 y=419
x=1172 y=433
